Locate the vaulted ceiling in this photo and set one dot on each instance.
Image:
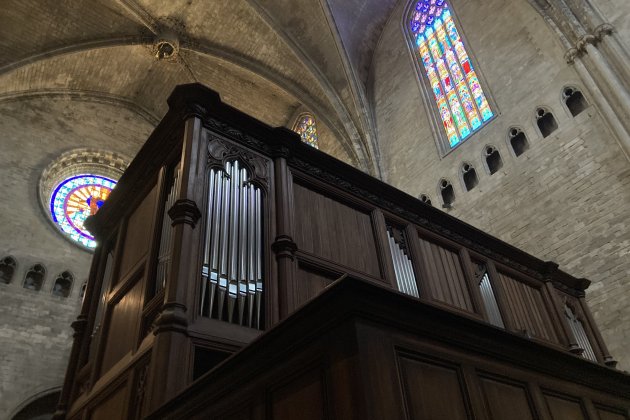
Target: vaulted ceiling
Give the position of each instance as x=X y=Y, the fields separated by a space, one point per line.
x=270 y=58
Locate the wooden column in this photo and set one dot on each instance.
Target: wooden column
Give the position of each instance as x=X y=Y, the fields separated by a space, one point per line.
x=382 y=248
x=497 y=287
x=555 y=309
x=283 y=246
x=413 y=242
x=170 y=356
x=473 y=285
x=592 y=326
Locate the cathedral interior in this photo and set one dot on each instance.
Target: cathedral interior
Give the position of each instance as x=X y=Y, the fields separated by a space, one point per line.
x=523 y=132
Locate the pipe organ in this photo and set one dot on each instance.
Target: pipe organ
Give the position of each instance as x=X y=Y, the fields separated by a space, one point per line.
x=242 y=274
x=232 y=278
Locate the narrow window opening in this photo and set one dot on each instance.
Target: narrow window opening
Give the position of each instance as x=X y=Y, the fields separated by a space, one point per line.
x=574 y=100
x=35 y=277
x=448 y=194
x=63 y=284
x=493 y=159
x=7 y=269
x=518 y=141
x=405 y=277
x=470 y=176
x=546 y=122
x=425 y=199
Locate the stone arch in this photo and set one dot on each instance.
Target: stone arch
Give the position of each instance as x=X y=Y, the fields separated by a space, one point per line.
x=34 y=277
x=545 y=121
x=573 y=100
x=447 y=192
x=517 y=141
x=468 y=176
x=62 y=286
x=8 y=265
x=491 y=158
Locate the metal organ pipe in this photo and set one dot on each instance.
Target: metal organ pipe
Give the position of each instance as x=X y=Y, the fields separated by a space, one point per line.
x=232 y=268
x=403 y=269
x=166 y=236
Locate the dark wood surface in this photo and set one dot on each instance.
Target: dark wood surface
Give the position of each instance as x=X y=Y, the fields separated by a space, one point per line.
x=402 y=359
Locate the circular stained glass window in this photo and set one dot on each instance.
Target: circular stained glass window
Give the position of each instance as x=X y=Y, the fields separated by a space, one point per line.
x=74 y=200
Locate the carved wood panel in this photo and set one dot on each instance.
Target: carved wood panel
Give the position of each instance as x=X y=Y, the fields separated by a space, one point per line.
x=433 y=390
x=446 y=279
x=335 y=231
x=528 y=309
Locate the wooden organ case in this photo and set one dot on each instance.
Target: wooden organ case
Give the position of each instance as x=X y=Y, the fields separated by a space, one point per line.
x=242 y=274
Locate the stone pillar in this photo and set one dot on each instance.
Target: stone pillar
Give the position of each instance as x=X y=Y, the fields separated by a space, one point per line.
x=599 y=58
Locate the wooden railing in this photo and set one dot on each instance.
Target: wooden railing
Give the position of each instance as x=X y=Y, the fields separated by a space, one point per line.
x=222 y=226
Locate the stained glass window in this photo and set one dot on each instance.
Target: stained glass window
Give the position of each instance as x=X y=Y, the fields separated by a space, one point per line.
x=462 y=105
x=307 y=129
x=76 y=198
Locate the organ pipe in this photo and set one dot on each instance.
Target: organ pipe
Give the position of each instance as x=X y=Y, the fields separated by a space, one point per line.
x=166 y=236
x=577 y=328
x=232 y=286
x=405 y=278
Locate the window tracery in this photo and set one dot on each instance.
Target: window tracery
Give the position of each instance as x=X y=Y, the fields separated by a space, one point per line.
x=462 y=105
x=307 y=129
x=74 y=200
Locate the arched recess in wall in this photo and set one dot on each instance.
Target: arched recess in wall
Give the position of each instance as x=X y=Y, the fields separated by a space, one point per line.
x=449 y=77
x=306 y=127
x=574 y=100
x=62 y=286
x=7 y=269
x=34 y=277
x=74 y=186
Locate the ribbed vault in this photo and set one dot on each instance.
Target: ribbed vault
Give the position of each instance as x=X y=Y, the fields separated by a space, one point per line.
x=268 y=58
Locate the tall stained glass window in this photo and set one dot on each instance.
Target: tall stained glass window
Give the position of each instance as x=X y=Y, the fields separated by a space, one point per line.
x=462 y=105
x=306 y=128
x=74 y=200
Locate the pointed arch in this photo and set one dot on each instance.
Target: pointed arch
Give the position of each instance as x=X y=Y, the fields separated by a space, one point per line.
x=306 y=127
x=448 y=75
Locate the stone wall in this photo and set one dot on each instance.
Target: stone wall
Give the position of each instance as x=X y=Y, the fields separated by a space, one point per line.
x=35 y=333
x=564 y=199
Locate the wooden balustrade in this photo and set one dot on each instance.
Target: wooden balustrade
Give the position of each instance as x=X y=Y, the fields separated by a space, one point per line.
x=222 y=226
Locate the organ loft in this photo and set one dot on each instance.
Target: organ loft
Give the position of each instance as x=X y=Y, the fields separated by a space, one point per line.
x=243 y=274
x=239 y=273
